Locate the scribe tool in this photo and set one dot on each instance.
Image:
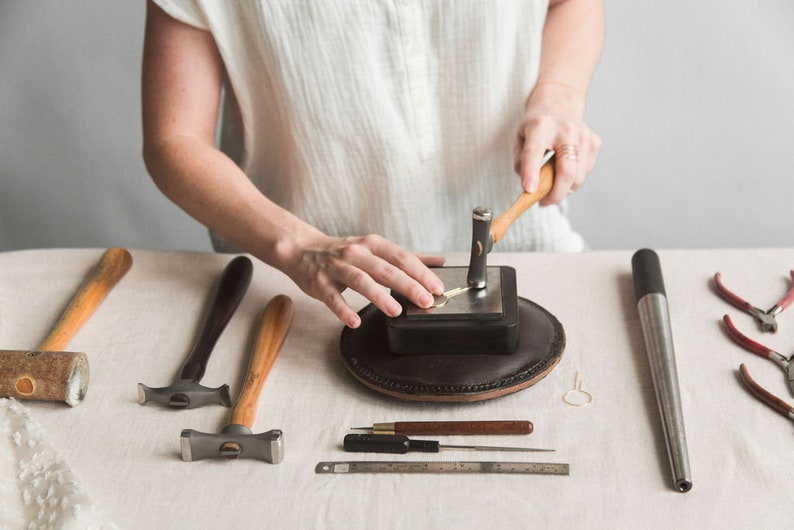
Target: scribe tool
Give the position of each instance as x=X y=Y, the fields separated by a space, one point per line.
x=450 y=427
x=399 y=445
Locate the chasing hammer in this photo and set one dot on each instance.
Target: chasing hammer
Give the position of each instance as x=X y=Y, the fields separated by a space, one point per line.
x=487 y=231
x=48 y=373
x=236 y=440
x=186 y=392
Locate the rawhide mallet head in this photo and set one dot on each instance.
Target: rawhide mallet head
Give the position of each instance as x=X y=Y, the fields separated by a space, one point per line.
x=186 y=392
x=49 y=373
x=479 y=311
x=237 y=440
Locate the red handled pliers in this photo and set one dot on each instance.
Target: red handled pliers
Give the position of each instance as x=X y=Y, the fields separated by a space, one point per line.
x=766 y=318
x=759 y=349
x=777 y=404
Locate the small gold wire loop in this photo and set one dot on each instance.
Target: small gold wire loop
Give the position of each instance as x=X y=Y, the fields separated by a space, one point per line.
x=577 y=389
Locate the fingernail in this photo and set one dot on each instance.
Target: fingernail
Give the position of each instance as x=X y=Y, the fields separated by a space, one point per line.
x=426 y=300
x=394 y=308
x=354 y=322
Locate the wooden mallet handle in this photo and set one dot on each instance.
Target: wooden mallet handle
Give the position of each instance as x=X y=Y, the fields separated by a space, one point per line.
x=500 y=225
x=111 y=268
x=275 y=324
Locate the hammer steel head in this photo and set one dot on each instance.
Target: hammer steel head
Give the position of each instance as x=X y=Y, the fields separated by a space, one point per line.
x=185 y=394
x=234 y=441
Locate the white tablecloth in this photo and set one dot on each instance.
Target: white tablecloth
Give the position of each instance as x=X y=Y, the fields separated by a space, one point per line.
x=127 y=456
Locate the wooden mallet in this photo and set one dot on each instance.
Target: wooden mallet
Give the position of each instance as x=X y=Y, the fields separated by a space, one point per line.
x=48 y=373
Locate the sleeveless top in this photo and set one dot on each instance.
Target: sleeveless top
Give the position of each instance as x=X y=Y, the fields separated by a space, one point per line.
x=394 y=117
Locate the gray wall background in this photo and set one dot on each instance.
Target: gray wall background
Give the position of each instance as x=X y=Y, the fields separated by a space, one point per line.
x=694 y=102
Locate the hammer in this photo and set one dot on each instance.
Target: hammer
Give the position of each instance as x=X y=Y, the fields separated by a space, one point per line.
x=485 y=232
x=48 y=373
x=237 y=439
x=186 y=392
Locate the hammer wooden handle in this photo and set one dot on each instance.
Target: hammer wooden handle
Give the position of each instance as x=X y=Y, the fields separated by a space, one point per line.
x=111 y=268
x=273 y=329
x=500 y=225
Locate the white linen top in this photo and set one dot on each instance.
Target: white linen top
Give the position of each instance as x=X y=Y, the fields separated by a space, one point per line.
x=394 y=117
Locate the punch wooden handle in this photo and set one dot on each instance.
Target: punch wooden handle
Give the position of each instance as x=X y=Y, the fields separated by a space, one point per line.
x=500 y=225
x=450 y=428
x=275 y=324
x=111 y=268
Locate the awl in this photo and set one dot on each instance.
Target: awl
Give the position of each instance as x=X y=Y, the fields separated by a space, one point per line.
x=452 y=428
x=399 y=445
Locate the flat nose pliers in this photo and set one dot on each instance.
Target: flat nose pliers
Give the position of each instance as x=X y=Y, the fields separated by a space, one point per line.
x=765 y=318
x=752 y=346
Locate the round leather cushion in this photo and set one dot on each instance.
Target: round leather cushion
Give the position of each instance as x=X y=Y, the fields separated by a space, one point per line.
x=453 y=377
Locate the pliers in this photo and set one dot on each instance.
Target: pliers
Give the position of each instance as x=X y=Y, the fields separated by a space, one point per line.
x=777 y=404
x=766 y=318
x=759 y=349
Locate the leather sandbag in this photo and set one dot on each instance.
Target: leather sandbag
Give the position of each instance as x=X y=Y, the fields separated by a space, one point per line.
x=450 y=377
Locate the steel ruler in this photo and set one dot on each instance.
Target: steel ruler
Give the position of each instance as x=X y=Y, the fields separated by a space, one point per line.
x=534 y=468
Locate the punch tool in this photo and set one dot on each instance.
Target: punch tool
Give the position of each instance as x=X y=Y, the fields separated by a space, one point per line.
x=399 y=445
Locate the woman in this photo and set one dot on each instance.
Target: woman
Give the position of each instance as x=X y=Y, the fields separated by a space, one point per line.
x=369 y=127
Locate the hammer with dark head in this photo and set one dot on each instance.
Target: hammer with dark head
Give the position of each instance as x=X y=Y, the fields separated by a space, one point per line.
x=237 y=438
x=48 y=373
x=186 y=392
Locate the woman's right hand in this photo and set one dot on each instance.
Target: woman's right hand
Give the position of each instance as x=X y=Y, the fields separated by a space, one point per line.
x=324 y=266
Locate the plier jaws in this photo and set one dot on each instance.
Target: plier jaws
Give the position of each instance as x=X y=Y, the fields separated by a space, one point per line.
x=765 y=318
x=766 y=397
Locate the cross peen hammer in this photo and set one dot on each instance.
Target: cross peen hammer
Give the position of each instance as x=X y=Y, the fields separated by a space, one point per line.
x=237 y=439
x=187 y=392
x=49 y=373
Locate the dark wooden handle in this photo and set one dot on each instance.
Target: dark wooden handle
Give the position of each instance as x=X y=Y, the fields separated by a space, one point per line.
x=273 y=329
x=227 y=297
x=409 y=428
x=113 y=265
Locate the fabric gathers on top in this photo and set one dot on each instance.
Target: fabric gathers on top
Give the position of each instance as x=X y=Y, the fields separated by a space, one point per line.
x=387 y=117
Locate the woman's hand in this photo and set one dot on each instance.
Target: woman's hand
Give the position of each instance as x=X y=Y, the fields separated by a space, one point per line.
x=323 y=267
x=554 y=120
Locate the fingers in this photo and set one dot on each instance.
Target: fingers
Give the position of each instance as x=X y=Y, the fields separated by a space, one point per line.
x=576 y=147
x=369 y=265
x=574 y=160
